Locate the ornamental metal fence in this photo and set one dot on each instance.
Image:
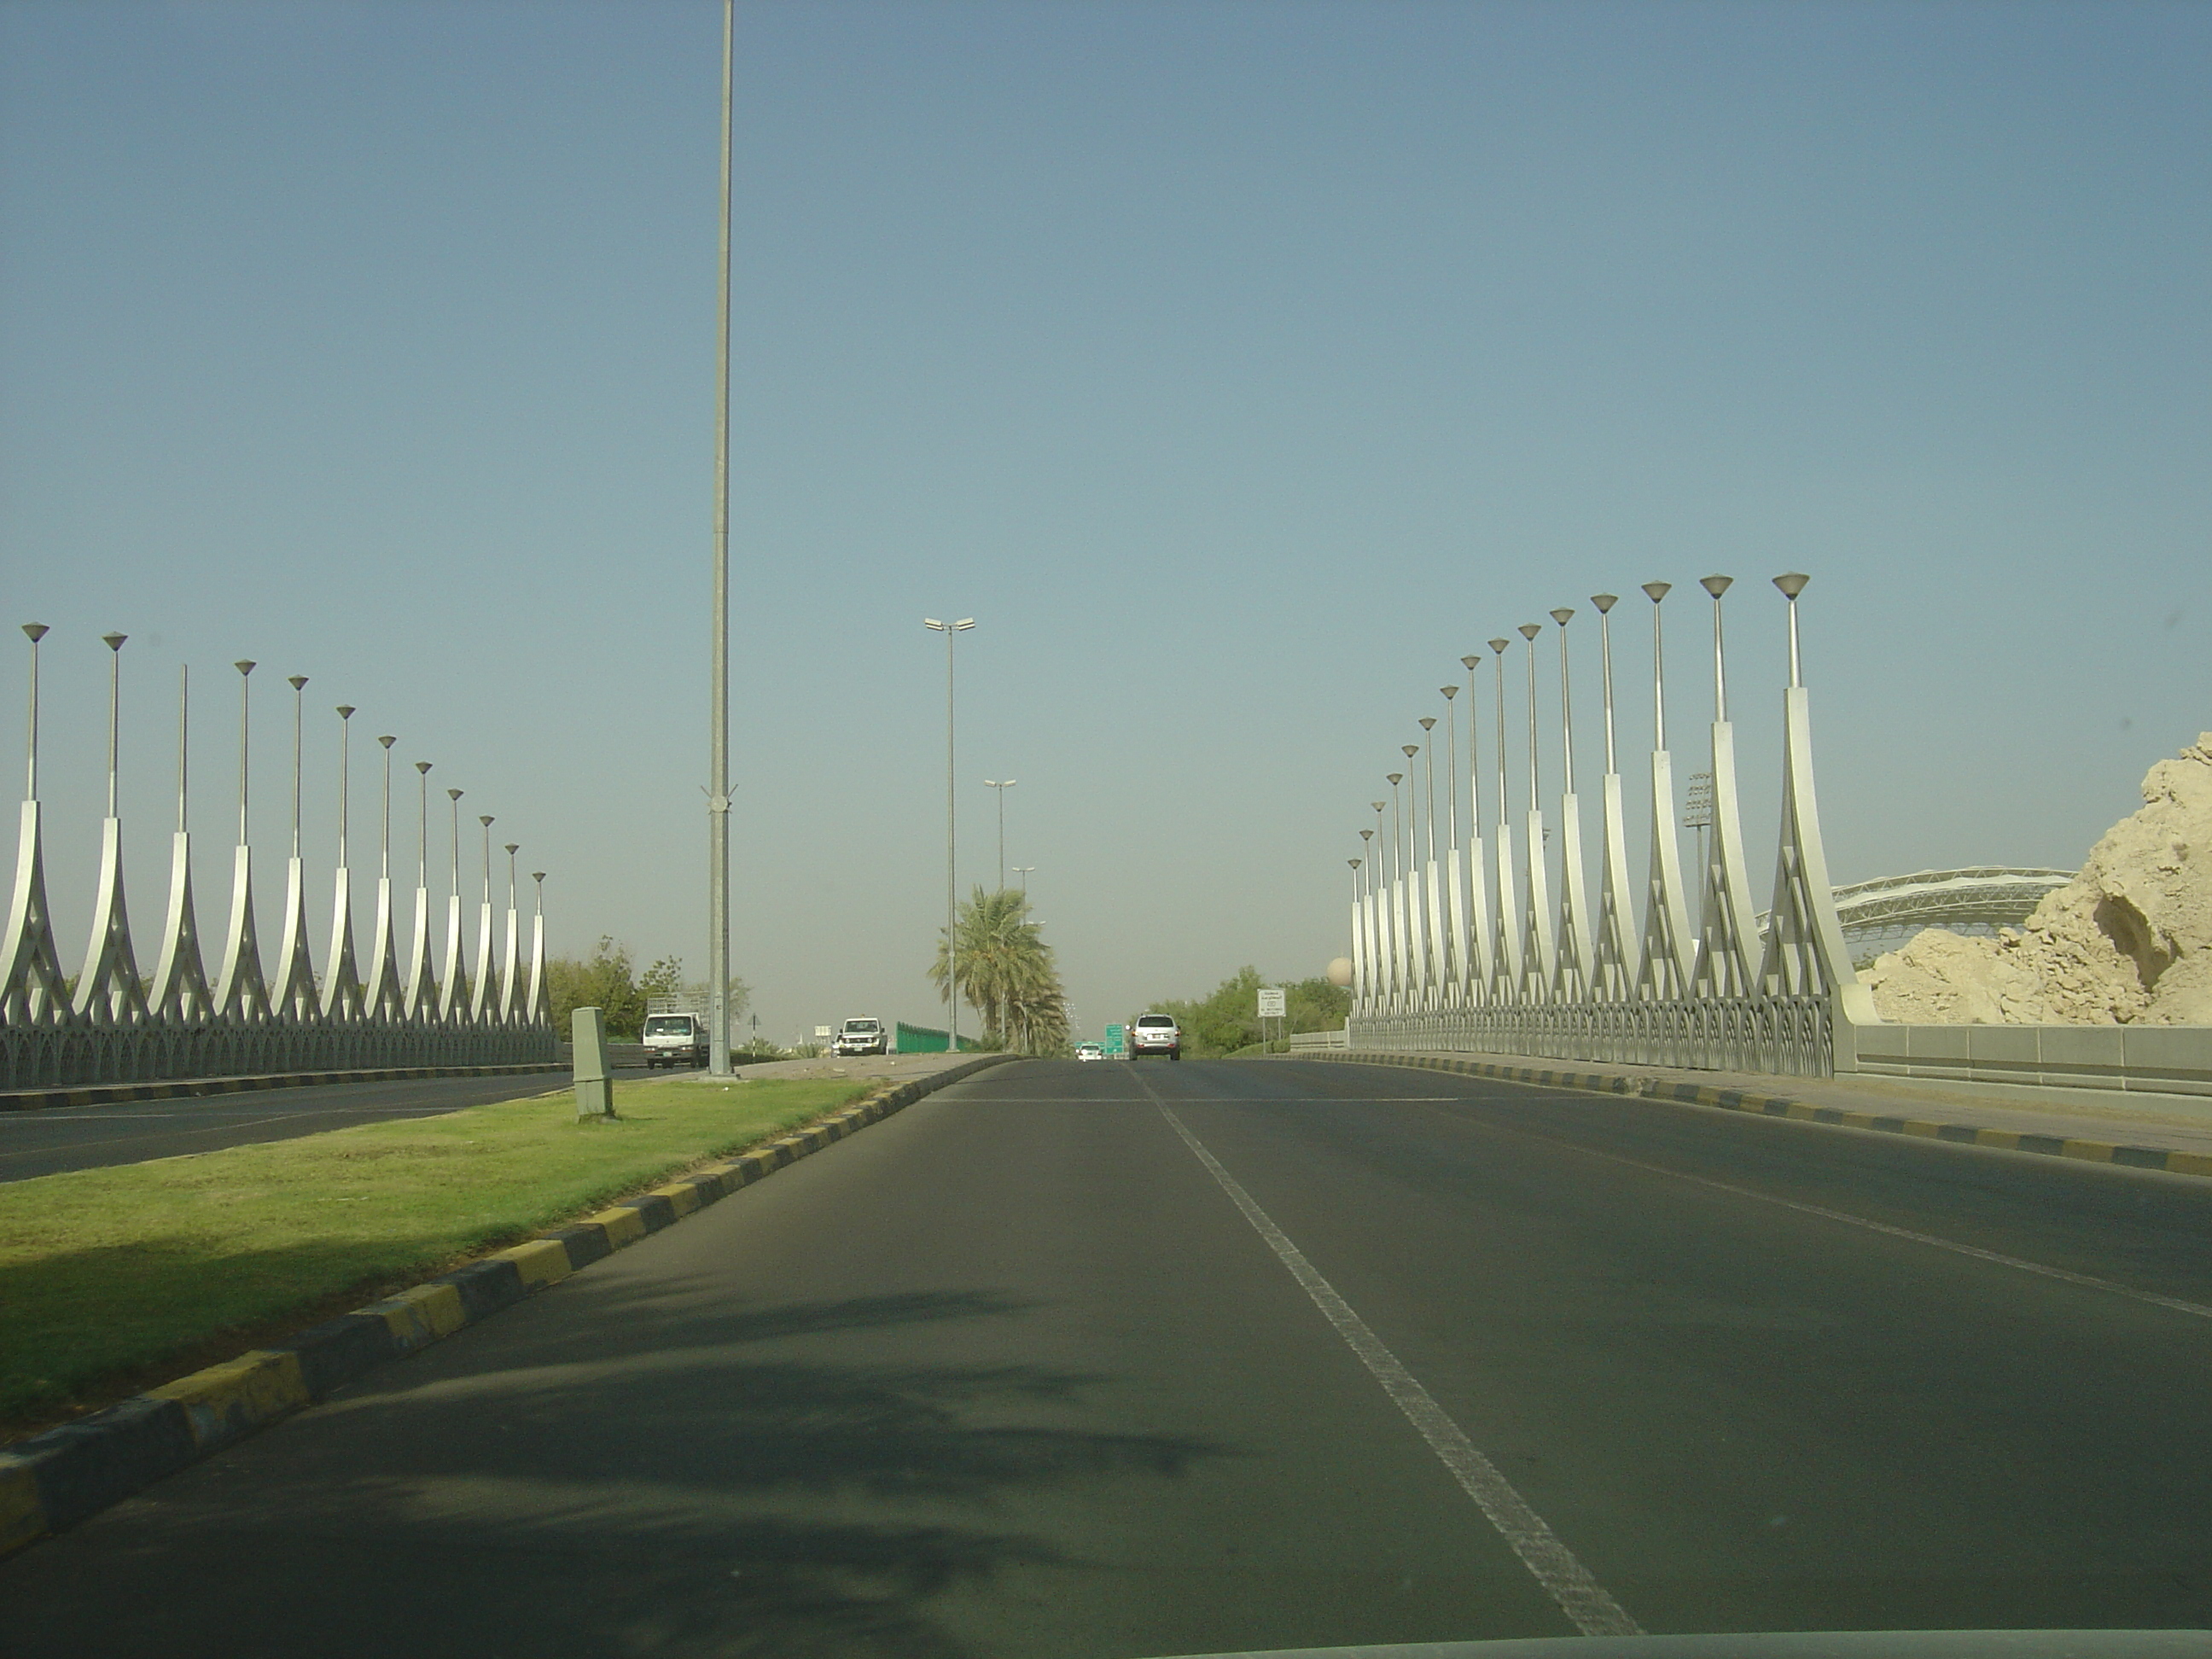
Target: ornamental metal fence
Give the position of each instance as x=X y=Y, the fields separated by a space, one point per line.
x=1458 y=942
x=389 y=1005
x=1789 y=1035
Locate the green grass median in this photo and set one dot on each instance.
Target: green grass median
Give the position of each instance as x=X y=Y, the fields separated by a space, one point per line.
x=108 y=1276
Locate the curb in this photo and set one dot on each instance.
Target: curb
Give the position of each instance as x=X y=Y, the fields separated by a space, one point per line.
x=104 y=1094
x=2173 y=1161
x=54 y=1481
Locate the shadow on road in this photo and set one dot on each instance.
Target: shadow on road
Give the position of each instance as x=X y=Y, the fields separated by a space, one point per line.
x=764 y=1479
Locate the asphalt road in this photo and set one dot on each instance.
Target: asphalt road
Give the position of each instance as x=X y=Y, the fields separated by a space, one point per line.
x=1116 y=1361
x=128 y=1132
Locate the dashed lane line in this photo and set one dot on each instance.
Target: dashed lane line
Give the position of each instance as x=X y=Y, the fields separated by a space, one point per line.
x=1553 y=1565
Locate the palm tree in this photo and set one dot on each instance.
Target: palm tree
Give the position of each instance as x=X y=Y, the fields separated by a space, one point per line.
x=1002 y=965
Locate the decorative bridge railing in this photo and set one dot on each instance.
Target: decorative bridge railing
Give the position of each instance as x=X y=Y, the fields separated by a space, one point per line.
x=1461 y=945
x=387 y=1005
x=1784 y=1033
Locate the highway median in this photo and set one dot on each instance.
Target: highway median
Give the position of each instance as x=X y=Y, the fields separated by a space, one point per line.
x=113 y=1278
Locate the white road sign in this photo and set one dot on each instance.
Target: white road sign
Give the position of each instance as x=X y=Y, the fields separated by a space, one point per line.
x=1270 y=1002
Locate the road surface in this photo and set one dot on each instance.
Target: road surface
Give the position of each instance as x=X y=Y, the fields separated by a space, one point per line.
x=128 y=1132
x=1112 y=1361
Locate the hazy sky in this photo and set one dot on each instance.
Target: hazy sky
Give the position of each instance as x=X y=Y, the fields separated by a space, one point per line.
x=1238 y=367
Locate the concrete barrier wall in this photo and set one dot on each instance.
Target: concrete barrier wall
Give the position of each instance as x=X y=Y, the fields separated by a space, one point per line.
x=2170 y=1059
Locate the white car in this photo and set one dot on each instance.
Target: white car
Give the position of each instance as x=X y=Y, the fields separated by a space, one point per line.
x=1090 y=1051
x=861 y=1036
x=1155 y=1034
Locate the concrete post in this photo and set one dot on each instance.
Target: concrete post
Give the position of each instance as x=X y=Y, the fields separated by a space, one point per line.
x=595 y=1089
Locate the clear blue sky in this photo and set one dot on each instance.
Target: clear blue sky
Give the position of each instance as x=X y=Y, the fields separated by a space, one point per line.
x=1239 y=366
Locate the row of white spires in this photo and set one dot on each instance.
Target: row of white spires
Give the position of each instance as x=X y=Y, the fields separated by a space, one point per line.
x=1432 y=934
x=185 y=988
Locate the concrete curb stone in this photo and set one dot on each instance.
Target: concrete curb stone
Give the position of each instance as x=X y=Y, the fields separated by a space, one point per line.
x=54 y=1481
x=2172 y=1160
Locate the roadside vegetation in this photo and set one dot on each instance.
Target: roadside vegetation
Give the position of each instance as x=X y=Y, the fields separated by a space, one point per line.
x=1005 y=971
x=1226 y=1019
x=608 y=979
x=113 y=1279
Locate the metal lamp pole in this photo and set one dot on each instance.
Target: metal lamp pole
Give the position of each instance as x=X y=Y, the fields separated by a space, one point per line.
x=718 y=789
x=1001 y=785
x=951 y=877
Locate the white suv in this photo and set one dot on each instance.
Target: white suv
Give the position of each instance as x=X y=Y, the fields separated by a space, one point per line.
x=1155 y=1034
x=861 y=1036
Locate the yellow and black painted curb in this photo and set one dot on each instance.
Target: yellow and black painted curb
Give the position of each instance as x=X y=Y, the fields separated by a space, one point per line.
x=106 y=1094
x=54 y=1481
x=2173 y=1161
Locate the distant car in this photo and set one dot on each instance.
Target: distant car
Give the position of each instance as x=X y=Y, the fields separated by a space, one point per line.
x=1155 y=1034
x=861 y=1036
x=1090 y=1051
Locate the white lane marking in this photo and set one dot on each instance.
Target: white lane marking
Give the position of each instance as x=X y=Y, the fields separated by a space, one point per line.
x=1580 y=1597
x=2064 y=1275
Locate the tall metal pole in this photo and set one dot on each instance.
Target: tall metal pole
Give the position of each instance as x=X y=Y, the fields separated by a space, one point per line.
x=951 y=820
x=184 y=747
x=1451 y=768
x=1605 y=602
x=718 y=791
x=1563 y=615
x=114 y=643
x=1504 y=809
x=1473 y=754
x=1656 y=592
x=1792 y=585
x=1529 y=632
x=384 y=836
x=1378 y=876
x=952 y=869
x=1397 y=880
x=345 y=776
x=298 y=683
x=1428 y=725
x=244 y=714
x=36 y=631
x=1717 y=586
x=1001 y=785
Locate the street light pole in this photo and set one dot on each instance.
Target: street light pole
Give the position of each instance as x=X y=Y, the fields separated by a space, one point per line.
x=718 y=790
x=1024 y=870
x=1001 y=785
x=952 y=821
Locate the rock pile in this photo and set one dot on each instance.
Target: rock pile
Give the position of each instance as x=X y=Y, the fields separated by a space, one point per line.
x=2127 y=941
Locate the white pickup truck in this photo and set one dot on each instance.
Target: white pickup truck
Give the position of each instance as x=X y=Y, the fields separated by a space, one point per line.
x=861 y=1036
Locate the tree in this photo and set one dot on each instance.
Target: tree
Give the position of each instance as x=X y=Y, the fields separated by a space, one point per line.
x=605 y=980
x=1001 y=965
x=741 y=994
x=1227 y=1017
x=663 y=979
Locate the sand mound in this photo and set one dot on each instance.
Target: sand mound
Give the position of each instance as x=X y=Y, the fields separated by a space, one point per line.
x=2129 y=941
